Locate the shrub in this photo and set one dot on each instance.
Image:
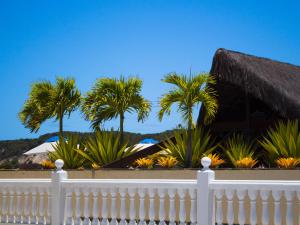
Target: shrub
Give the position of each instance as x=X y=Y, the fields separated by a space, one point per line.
x=167 y=161
x=202 y=144
x=144 y=163
x=240 y=151
x=246 y=162
x=67 y=150
x=216 y=160
x=283 y=141
x=287 y=162
x=103 y=148
x=47 y=164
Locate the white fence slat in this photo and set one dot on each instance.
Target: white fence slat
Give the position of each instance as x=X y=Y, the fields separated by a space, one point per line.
x=33 y=207
x=26 y=208
x=104 y=220
x=264 y=194
x=131 y=192
x=172 y=211
x=182 y=210
x=151 y=193
x=19 y=206
x=298 y=195
x=162 y=211
x=48 y=220
x=241 y=215
x=219 y=210
x=142 y=211
x=193 y=209
x=277 y=212
x=77 y=207
x=123 y=206
x=230 y=213
x=4 y=206
x=11 y=213
x=86 y=213
x=289 y=207
x=113 y=208
x=95 y=220
x=68 y=208
x=41 y=219
x=252 y=194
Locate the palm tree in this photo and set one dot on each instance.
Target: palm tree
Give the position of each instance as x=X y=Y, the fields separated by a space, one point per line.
x=111 y=98
x=47 y=100
x=189 y=92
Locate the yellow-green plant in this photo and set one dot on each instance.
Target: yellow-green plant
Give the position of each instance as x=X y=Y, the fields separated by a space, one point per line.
x=47 y=164
x=247 y=162
x=103 y=148
x=287 y=163
x=239 y=150
x=167 y=161
x=216 y=160
x=202 y=144
x=144 y=163
x=67 y=150
x=283 y=141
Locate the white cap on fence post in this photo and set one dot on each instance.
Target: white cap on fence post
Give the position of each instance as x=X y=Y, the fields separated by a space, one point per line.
x=205 y=162
x=59 y=163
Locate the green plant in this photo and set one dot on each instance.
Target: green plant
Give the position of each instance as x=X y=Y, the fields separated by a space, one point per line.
x=50 y=101
x=144 y=163
x=103 y=148
x=167 y=161
x=216 y=160
x=189 y=91
x=238 y=148
x=112 y=98
x=47 y=164
x=67 y=151
x=202 y=143
x=282 y=141
x=287 y=162
x=246 y=162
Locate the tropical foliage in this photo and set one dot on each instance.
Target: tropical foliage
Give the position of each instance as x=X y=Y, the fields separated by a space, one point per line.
x=189 y=91
x=282 y=141
x=111 y=98
x=216 y=160
x=287 y=163
x=103 y=148
x=167 y=161
x=47 y=100
x=47 y=164
x=202 y=144
x=240 y=151
x=144 y=163
x=67 y=150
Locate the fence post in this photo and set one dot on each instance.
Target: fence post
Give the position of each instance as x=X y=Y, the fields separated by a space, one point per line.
x=57 y=195
x=205 y=198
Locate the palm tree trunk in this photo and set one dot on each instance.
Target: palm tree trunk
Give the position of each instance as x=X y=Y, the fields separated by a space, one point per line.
x=188 y=159
x=61 y=117
x=121 y=128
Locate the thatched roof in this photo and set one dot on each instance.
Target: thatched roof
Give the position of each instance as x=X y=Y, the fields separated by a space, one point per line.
x=277 y=84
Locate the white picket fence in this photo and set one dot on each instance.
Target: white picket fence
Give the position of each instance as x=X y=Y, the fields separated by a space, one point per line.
x=204 y=201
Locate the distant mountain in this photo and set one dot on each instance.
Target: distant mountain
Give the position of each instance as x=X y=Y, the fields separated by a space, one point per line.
x=12 y=150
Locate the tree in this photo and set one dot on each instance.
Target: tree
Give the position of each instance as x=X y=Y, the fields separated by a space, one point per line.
x=47 y=100
x=189 y=91
x=111 y=98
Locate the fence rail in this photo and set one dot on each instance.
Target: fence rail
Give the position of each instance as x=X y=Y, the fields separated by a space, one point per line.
x=203 y=201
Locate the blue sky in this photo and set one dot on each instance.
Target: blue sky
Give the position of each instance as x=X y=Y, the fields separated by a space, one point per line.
x=90 y=39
